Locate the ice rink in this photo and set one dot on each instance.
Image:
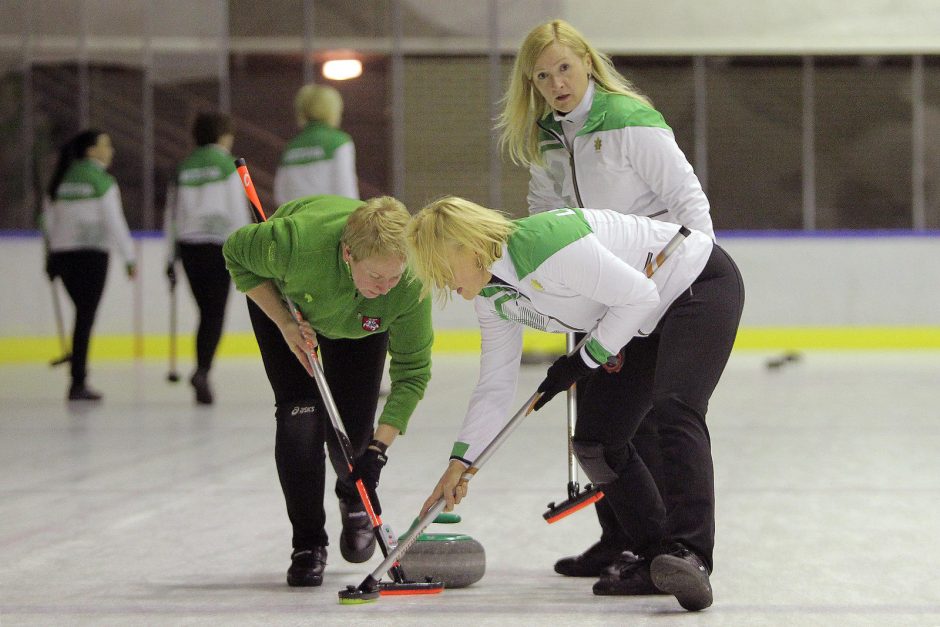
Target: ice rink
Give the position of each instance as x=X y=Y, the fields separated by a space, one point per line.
x=146 y=509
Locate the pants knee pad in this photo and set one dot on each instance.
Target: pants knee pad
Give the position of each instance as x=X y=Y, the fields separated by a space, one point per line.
x=591 y=457
x=299 y=409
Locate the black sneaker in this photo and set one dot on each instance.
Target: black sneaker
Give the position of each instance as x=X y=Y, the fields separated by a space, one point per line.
x=682 y=573
x=200 y=381
x=306 y=567
x=628 y=576
x=591 y=563
x=82 y=393
x=357 y=541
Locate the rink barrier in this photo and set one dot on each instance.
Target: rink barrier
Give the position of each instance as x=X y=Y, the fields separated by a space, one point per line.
x=457 y=341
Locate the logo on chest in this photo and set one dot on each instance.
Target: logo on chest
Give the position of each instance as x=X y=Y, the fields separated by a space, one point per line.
x=370 y=324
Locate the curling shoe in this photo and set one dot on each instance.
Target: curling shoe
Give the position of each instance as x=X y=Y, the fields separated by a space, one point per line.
x=306 y=567
x=82 y=393
x=200 y=382
x=357 y=541
x=591 y=563
x=628 y=576
x=681 y=573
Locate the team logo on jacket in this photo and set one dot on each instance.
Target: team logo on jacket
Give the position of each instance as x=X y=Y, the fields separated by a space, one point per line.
x=371 y=324
x=597 y=144
x=537 y=285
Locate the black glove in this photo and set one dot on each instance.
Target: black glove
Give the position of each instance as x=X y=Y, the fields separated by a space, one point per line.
x=171 y=272
x=561 y=375
x=368 y=467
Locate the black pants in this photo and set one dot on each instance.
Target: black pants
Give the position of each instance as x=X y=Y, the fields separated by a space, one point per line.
x=353 y=370
x=630 y=388
x=665 y=385
x=83 y=273
x=210 y=283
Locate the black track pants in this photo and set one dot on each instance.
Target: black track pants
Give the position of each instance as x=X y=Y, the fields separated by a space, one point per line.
x=210 y=282
x=681 y=367
x=353 y=370
x=83 y=273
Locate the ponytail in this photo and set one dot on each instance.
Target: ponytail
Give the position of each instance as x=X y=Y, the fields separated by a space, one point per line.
x=72 y=151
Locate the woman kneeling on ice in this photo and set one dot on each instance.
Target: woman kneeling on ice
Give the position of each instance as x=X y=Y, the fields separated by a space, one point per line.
x=591 y=271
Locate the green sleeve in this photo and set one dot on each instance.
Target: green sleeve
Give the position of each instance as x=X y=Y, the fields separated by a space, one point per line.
x=410 y=340
x=258 y=252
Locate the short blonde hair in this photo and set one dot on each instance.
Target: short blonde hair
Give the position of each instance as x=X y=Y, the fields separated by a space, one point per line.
x=523 y=106
x=320 y=103
x=448 y=223
x=377 y=229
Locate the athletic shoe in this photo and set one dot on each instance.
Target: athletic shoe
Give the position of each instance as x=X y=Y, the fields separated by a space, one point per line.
x=200 y=382
x=82 y=393
x=306 y=567
x=357 y=541
x=682 y=573
x=628 y=576
x=591 y=563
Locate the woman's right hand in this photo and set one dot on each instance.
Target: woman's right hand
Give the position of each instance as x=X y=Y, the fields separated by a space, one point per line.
x=449 y=488
x=301 y=339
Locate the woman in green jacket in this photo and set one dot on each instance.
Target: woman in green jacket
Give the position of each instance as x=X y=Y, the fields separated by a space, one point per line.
x=342 y=263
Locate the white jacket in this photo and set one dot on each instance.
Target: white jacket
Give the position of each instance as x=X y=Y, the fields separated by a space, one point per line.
x=622 y=156
x=571 y=270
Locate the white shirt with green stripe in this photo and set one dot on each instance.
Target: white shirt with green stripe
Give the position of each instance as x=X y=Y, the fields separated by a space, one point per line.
x=615 y=152
x=207 y=203
x=87 y=212
x=571 y=270
x=319 y=160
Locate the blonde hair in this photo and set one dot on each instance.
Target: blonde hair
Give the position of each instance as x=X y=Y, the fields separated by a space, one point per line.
x=377 y=229
x=523 y=106
x=447 y=224
x=320 y=103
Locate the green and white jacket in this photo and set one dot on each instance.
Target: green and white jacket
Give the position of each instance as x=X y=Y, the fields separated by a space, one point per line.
x=87 y=213
x=319 y=160
x=614 y=152
x=207 y=203
x=571 y=270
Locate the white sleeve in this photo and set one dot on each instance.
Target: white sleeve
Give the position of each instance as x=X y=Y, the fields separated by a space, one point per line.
x=239 y=207
x=588 y=268
x=661 y=163
x=542 y=196
x=344 y=160
x=169 y=222
x=489 y=407
x=48 y=219
x=117 y=224
x=281 y=193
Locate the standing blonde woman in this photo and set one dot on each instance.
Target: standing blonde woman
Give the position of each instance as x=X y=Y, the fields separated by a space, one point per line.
x=583 y=270
x=321 y=159
x=591 y=139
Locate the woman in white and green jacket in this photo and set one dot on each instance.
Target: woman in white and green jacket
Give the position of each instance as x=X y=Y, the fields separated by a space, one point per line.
x=584 y=270
x=591 y=139
x=205 y=205
x=82 y=218
x=321 y=159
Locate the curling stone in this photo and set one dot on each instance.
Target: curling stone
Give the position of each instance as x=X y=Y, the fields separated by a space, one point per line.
x=456 y=559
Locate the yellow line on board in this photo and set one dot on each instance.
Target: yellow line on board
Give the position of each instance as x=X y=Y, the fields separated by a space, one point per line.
x=110 y=347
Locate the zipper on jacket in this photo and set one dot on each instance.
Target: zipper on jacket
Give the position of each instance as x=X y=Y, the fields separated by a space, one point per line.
x=574 y=171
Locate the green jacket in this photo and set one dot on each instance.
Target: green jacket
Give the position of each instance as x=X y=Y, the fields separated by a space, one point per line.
x=299 y=249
